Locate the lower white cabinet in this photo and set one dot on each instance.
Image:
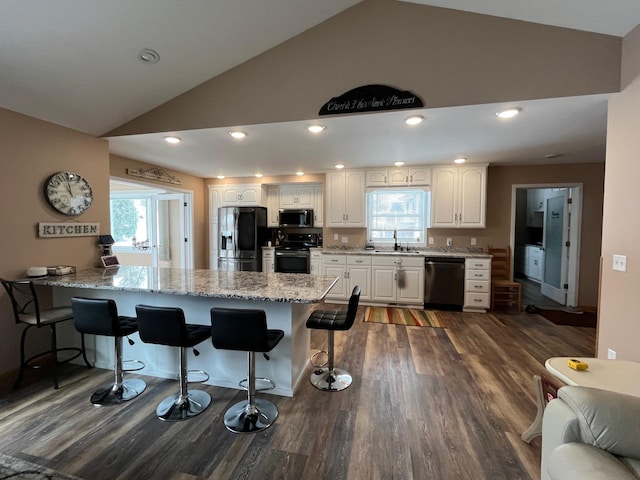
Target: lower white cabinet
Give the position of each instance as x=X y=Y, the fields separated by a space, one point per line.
x=268 y=260
x=477 y=284
x=533 y=262
x=353 y=270
x=315 y=261
x=397 y=279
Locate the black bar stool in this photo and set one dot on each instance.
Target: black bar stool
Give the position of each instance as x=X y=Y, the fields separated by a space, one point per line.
x=333 y=379
x=97 y=316
x=246 y=330
x=167 y=326
x=26 y=310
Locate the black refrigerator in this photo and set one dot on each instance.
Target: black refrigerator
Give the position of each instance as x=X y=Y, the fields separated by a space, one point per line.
x=242 y=233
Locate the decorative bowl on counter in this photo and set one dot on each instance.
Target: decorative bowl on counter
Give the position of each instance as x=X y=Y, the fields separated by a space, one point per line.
x=61 y=270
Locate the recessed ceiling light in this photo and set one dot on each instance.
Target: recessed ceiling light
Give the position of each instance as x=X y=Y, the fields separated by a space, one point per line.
x=317 y=128
x=460 y=160
x=237 y=134
x=148 y=56
x=414 y=120
x=299 y=173
x=172 y=139
x=398 y=164
x=259 y=175
x=339 y=166
x=220 y=177
x=509 y=112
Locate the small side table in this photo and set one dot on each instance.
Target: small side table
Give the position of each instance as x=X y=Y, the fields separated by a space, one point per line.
x=614 y=375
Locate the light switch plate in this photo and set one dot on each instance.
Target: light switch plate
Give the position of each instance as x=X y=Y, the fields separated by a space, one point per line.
x=620 y=263
x=473 y=241
x=345 y=239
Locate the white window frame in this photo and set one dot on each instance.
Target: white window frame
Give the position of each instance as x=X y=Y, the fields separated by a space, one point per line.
x=405 y=237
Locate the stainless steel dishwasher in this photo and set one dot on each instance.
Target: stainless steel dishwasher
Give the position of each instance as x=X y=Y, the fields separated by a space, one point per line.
x=444 y=282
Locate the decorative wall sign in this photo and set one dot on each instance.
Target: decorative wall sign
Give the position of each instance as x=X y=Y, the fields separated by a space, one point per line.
x=67 y=229
x=371 y=98
x=154 y=174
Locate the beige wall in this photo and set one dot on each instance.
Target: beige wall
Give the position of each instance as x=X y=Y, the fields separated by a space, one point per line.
x=619 y=323
x=447 y=57
x=190 y=183
x=31 y=151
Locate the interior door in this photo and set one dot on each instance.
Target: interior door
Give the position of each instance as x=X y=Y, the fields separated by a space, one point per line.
x=169 y=232
x=554 y=244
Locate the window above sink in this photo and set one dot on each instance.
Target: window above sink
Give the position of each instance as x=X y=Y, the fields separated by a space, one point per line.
x=397 y=215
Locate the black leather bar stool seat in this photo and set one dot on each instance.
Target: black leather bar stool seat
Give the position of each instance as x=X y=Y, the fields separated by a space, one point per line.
x=98 y=316
x=27 y=311
x=333 y=379
x=246 y=330
x=167 y=326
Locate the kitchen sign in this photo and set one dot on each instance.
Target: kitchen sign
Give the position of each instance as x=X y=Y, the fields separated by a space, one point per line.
x=371 y=98
x=67 y=229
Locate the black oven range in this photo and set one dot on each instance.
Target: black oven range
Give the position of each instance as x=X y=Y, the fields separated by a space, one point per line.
x=292 y=255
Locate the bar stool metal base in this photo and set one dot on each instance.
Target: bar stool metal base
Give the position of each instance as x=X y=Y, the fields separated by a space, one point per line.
x=245 y=418
x=331 y=380
x=178 y=407
x=116 y=394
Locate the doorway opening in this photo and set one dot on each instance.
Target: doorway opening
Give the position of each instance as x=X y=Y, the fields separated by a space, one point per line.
x=151 y=225
x=545 y=238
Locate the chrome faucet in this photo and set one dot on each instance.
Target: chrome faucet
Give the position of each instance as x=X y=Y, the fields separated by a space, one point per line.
x=395 y=240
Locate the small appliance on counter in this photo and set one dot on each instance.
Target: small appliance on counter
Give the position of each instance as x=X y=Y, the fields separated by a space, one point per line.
x=36 y=272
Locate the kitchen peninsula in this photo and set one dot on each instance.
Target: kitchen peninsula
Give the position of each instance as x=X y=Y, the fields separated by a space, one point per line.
x=287 y=300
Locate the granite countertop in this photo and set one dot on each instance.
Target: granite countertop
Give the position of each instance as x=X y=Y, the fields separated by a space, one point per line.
x=273 y=287
x=458 y=252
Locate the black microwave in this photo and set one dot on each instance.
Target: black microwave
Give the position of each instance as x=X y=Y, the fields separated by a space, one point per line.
x=296 y=218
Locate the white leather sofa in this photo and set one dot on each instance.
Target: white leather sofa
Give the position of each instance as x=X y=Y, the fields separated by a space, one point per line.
x=591 y=434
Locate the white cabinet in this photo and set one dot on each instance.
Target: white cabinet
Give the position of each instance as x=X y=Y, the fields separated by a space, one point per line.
x=397 y=279
x=536 y=198
x=296 y=196
x=345 y=199
x=215 y=201
x=318 y=206
x=533 y=257
x=273 y=206
x=353 y=270
x=335 y=266
x=477 y=284
x=268 y=259
x=458 y=197
x=359 y=273
x=315 y=261
x=398 y=177
x=242 y=195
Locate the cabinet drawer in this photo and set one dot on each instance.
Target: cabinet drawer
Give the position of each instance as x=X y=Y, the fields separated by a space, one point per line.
x=477 y=286
x=334 y=259
x=386 y=261
x=480 y=300
x=478 y=263
x=359 y=260
x=477 y=274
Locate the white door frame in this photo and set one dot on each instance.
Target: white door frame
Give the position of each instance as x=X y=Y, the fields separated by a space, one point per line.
x=188 y=212
x=573 y=275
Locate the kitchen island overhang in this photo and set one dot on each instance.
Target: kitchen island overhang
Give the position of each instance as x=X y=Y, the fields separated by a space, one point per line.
x=287 y=299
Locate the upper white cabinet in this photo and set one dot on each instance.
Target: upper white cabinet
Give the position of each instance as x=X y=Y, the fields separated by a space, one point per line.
x=297 y=196
x=458 y=197
x=273 y=206
x=399 y=177
x=345 y=194
x=242 y=195
x=318 y=206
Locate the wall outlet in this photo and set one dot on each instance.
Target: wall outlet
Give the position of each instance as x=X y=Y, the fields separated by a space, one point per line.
x=449 y=242
x=345 y=239
x=611 y=354
x=473 y=241
x=620 y=263
x=430 y=240
x=336 y=237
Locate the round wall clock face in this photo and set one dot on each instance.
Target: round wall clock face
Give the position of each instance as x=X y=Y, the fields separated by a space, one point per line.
x=68 y=193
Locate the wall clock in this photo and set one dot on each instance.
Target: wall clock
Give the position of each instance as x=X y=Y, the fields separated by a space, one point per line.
x=68 y=193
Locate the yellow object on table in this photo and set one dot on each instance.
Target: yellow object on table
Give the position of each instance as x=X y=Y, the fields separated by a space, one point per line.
x=577 y=364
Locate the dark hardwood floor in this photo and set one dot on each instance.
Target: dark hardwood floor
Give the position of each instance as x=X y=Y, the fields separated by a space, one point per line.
x=426 y=403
